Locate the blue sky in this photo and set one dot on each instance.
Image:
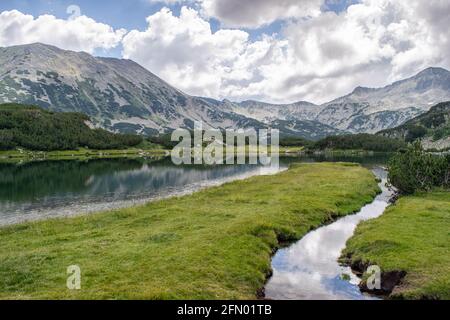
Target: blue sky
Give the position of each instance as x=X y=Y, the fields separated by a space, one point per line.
x=117 y=13
x=132 y=14
x=129 y=14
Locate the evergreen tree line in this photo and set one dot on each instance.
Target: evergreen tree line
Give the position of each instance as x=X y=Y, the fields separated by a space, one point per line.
x=413 y=170
x=367 y=142
x=35 y=129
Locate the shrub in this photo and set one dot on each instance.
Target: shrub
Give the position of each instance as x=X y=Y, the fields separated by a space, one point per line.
x=294 y=142
x=7 y=140
x=415 y=132
x=414 y=170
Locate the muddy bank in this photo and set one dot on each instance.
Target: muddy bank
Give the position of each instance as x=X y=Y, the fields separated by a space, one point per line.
x=390 y=280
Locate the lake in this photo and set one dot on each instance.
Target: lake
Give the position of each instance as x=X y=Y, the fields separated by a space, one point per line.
x=40 y=190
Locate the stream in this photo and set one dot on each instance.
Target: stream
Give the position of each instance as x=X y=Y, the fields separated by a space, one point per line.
x=309 y=269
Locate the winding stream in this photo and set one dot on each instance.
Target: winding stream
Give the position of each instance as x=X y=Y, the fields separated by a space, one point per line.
x=309 y=269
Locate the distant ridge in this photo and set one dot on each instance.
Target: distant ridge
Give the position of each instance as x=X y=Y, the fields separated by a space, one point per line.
x=122 y=96
x=365 y=110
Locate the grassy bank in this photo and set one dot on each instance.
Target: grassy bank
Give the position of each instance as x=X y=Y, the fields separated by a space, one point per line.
x=413 y=237
x=215 y=244
x=14 y=156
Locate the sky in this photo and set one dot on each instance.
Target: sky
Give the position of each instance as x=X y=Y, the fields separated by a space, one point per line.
x=277 y=51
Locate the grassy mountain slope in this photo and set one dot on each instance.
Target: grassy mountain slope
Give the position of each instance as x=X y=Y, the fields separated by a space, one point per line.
x=432 y=128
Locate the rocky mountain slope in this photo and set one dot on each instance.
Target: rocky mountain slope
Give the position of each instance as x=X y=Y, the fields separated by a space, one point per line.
x=122 y=96
x=431 y=128
x=118 y=94
x=365 y=110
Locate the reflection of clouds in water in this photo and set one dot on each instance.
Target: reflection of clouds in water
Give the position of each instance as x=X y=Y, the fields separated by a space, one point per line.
x=124 y=188
x=155 y=180
x=315 y=286
x=309 y=268
x=290 y=281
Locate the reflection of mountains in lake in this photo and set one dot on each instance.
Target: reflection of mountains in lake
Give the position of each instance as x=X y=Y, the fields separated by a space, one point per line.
x=114 y=179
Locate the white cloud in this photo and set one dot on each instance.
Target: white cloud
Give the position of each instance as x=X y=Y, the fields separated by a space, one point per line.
x=317 y=59
x=255 y=13
x=170 y=2
x=184 y=51
x=251 y=13
x=80 y=33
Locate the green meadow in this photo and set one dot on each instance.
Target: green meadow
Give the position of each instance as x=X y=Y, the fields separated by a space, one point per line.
x=412 y=236
x=214 y=244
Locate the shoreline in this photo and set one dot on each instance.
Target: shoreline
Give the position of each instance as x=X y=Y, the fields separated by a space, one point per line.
x=388 y=280
x=261 y=295
x=24 y=156
x=124 y=204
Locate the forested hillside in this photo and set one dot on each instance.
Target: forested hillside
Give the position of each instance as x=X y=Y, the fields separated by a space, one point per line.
x=434 y=124
x=32 y=128
x=368 y=142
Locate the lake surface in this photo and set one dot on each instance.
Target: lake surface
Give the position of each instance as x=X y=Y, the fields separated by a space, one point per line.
x=309 y=269
x=41 y=190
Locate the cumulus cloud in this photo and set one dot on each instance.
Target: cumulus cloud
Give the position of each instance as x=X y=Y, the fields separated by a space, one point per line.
x=315 y=58
x=79 y=33
x=255 y=13
x=169 y=2
x=371 y=43
x=184 y=51
x=252 y=13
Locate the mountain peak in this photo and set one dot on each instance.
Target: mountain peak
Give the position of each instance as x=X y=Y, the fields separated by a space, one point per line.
x=361 y=90
x=433 y=71
x=42 y=49
x=36 y=46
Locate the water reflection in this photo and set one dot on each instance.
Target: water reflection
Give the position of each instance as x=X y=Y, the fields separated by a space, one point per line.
x=309 y=268
x=60 y=188
x=49 y=189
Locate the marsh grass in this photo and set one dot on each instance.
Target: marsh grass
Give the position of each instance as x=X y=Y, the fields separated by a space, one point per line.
x=214 y=244
x=412 y=236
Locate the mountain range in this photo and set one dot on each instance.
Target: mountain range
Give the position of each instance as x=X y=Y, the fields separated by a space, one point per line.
x=122 y=96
